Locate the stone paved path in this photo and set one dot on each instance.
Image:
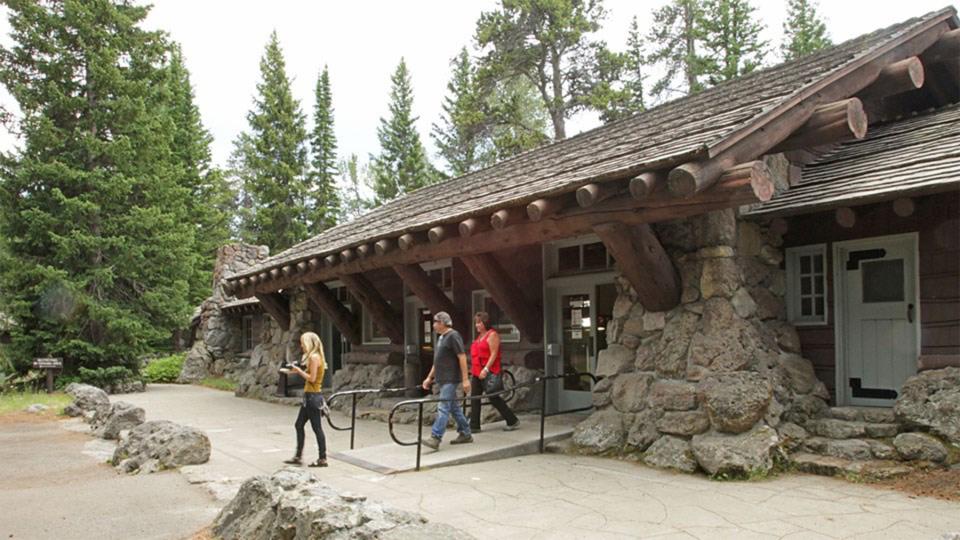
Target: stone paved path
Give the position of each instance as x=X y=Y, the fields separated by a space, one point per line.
x=553 y=496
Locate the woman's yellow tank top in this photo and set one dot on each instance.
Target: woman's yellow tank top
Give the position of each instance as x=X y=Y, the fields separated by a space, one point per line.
x=316 y=387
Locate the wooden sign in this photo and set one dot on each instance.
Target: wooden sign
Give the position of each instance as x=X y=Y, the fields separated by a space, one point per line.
x=48 y=363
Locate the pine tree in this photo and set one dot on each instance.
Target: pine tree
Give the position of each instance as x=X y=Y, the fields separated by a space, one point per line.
x=402 y=165
x=211 y=200
x=354 y=181
x=804 y=31
x=325 y=201
x=272 y=160
x=462 y=134
x=674 y=36
x=99 y=247
x=631 y=100
x=731 y=39
x=549 y=43
x=516 y=116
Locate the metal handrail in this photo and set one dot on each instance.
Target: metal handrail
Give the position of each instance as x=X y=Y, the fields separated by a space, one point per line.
x=353 y=405
x=542 y=380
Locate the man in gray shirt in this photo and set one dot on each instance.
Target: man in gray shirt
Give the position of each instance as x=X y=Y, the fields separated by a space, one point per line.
x=449 y=369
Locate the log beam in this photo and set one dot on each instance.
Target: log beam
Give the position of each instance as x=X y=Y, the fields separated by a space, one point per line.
x=643 y=262
x=385 y=245
x=897 y=78
x=382 y=314
x=302 y=267
x=776 y=125
x=591 y=194
x=945 y=50
x=341 y=317
x=506 y=217
x=846 y=217
x=331 y=260
x=830 y=123
x=347 y=255
x=472 y=226
x=277 y=306
x=543 y=208
x=904 y=207
x=421 y=285
x=409 y=240
x=507 y=294
x=364 y=250
x=441 y=232
x=643 y=185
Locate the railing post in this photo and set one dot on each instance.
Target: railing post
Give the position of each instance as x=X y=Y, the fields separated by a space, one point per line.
x=353 y=418
x=419 y=432
x=543 y=408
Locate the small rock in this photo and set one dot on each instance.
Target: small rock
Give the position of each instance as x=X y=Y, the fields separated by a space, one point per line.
x=654 y=320
x=920 y=446
x=714 y=252
x=37 y=408
x=684 y=423
x=739 y=455
x=736 y=401
x=743 y=304
x=601 y=431
x=671 y=453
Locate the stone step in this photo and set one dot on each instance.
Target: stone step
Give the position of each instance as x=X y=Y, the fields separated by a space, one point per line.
x=832 y=466
x=875 y=415
x=834 y=428
x=853 y=449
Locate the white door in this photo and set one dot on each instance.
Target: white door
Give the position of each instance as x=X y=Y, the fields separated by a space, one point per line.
x=880 y=317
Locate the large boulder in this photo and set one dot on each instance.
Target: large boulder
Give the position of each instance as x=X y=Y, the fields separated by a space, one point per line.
x=602 y=431
x=736 y=455
x=931 y=400
x=630 y=391
x=88 y=401
x=920 y=446
x=671 y=453
x=673 y=395
x=158 y=445
x=196 y=364
x=735 y=401
x=798 y=372
x=293 y=504
x=614 y=359
x=121 y=416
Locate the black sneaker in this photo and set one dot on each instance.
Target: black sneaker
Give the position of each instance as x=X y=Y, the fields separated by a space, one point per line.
x=462 y=439
x=432 y=442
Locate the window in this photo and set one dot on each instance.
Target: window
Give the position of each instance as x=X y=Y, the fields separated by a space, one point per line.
x=246 y=333
x=442 y=277
x=807 y=285
x=582 y=257
x=372 y=334
x=509 y=333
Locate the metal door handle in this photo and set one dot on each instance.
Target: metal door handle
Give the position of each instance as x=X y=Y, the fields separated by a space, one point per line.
x=910 y=313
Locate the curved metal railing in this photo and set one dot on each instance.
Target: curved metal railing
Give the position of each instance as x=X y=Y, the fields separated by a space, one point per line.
x=353 y=405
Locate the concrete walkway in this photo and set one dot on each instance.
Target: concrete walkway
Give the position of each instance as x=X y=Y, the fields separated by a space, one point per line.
x=550 y=496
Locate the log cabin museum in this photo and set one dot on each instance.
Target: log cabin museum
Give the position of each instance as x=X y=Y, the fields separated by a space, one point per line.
x=773 y=262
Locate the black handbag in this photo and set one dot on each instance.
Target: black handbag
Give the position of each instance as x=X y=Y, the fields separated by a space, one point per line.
x=493 y=382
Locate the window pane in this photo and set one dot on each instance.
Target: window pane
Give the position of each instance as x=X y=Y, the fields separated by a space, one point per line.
x=805 y=264
x=594 y=256
x=818 y=284
x=568 y=259
x=806 y=307
x=818 y=305
x=805 y=287
x=882 y=281
x=818 y=264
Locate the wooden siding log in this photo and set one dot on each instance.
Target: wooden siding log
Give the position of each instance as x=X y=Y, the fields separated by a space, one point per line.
x=341 y=317
x=775 y=127
x=834 y=122
x=421 y=285
x=472 y=226
x=506 y=217
x=381 y=312
x=644 y=185
x=642 y=260
x=591 y=194
x=507 y=294
x=277 y=306
x=385 y=245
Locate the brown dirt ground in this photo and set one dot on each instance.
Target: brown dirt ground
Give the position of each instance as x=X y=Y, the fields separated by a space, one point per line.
x=20 y=417
x=937 y=483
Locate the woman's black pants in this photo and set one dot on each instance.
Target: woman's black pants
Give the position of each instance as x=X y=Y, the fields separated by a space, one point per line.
x=476 y=389
x=310 y=410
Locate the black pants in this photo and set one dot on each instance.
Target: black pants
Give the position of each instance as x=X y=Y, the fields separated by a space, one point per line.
x=310 y=409
x=476 y=389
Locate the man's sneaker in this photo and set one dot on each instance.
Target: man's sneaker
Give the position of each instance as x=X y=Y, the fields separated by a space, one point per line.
x=512 y=427
x=462 y=438
x=432 y=442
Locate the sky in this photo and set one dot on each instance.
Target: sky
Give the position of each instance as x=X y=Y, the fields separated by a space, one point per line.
x=362 y=41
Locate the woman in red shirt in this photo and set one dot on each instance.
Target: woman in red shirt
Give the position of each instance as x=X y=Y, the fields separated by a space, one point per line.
x=485 y=372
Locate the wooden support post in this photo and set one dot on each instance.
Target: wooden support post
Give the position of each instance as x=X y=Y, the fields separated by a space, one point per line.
x=472 y=226
x=419 y=282
x=277 y=306
x=341 y=317
x=441 y=232
x=833 y=122
x=385 y=245
x=382 y=314
x=643 y=185
x=897 y=78
x=591 y=194
x=904 y=207
x=503 y=218
x=643 y=262
x=507 y=294
x=846 y=217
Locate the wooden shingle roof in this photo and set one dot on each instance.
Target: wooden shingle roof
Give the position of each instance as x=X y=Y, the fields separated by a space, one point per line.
x=915 y=156
x=693 y=127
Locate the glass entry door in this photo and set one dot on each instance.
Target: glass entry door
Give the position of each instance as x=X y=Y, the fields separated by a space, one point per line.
x=576 y=323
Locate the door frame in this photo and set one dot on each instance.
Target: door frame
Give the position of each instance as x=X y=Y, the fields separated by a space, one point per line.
x=840 y=299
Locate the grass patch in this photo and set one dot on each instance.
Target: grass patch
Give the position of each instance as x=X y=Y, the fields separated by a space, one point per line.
x=18 y=401
x=219 y=383
x=164 y=370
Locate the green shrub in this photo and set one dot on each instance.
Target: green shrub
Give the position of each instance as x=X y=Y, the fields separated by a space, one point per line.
x=164 y=370
x=104 y=377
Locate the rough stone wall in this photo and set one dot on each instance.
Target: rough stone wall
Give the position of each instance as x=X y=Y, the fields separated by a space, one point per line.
x=214 y=351
x=709 y=384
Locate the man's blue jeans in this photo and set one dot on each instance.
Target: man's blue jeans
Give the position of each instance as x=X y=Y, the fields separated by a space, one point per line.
x=450 y=404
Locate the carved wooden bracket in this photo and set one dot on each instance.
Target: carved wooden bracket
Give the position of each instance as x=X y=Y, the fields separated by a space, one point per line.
x=277 y=306
x=507 y=294
x=345 y=321
x=419 y=282
x=383 y=315
x=642 y=260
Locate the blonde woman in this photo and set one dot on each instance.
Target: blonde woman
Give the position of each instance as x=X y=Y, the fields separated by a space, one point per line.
x=316 y=365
